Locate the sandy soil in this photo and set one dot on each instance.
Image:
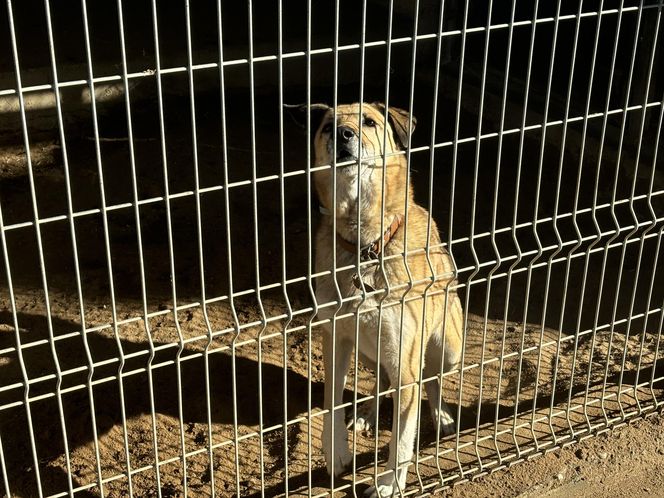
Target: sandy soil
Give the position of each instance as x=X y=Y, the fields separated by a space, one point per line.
x=624 y=462
x=255 y=396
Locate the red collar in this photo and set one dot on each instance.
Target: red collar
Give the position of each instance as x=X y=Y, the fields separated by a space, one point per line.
x=372 y=250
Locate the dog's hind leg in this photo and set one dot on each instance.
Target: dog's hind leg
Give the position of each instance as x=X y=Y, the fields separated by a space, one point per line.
x=336 y=359
x=434 y=361
x=432 y=368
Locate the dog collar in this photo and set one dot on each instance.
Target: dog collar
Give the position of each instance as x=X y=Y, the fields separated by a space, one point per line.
x=323 y=210
x=373 y=250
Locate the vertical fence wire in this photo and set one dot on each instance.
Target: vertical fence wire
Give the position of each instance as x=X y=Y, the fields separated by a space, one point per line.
x=397 y=432
x=640 y=408
x=20 y=359
x=633 y=213
x=494 y=246
x=629 y=321
x=556 y=205
x=40 y=248
x=613 y=199
x=515 y=238
x=310 y=258
x=199 y=240
x=605 y=254
x=254 y=185
x=455 y=157
x=596 y=238
x=432 y=160
x=282 y=212
x=139 y=237
x=74 y=244
x=107 y=240
x=332 y=335
x=427 y=254
x=358 y=261
x=229 y=259
x=169 y=234
x=19 y=352
x=655 y=259
x=199 y=237
x=473 y=210
x=532 y=262
x=381 y=256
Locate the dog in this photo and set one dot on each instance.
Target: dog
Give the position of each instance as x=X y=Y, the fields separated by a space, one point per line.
x=435 y=325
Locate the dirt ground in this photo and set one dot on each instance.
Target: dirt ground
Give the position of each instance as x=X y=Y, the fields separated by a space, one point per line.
x=625 y=462
x=495 y=423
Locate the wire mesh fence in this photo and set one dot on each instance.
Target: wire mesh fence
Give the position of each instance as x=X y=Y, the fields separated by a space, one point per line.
x=186 y=271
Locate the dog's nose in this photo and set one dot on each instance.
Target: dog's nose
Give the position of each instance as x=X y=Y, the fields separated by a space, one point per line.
x=344 y=134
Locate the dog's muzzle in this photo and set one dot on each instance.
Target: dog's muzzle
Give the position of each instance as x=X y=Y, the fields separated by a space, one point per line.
x=347 y=144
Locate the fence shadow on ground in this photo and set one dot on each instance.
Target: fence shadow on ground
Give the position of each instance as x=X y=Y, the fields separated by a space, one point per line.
x=45 y=414
x=227 y=375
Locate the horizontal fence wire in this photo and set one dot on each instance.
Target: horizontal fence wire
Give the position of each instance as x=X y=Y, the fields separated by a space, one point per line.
x=319 y=51
x=269 y=178
x=223 y=378
x=648 y=225
x=277 y=318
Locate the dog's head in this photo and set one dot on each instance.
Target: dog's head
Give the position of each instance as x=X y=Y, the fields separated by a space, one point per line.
x=360 y=152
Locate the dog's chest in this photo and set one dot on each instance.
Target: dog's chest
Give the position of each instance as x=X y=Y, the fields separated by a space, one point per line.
x=345 y=281
x=354 y=309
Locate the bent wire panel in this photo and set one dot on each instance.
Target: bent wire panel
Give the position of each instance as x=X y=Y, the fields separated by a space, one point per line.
x=169 y=322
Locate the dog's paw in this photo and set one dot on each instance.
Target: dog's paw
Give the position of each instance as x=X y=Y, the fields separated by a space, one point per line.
x=381 y=491
x=366 y=418
x=387 y=486
x=445 y=419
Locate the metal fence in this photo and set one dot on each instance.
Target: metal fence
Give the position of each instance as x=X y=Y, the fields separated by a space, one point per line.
x=161 y=328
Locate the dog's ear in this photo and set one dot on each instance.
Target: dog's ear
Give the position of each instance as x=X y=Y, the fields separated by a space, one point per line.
x=299 y=114
x=400 y=121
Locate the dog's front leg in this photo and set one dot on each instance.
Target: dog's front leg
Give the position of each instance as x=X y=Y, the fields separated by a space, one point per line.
x=366 y=412
x=401 y=444
x=336 y=360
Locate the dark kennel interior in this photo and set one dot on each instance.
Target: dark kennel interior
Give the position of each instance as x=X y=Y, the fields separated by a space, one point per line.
x=557 y=176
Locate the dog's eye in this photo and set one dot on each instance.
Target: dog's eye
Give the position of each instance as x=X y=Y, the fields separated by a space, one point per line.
x=369 y=122
x=327 y=128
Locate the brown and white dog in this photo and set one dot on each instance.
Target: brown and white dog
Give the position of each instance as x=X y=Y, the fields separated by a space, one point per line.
x=402 y=334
